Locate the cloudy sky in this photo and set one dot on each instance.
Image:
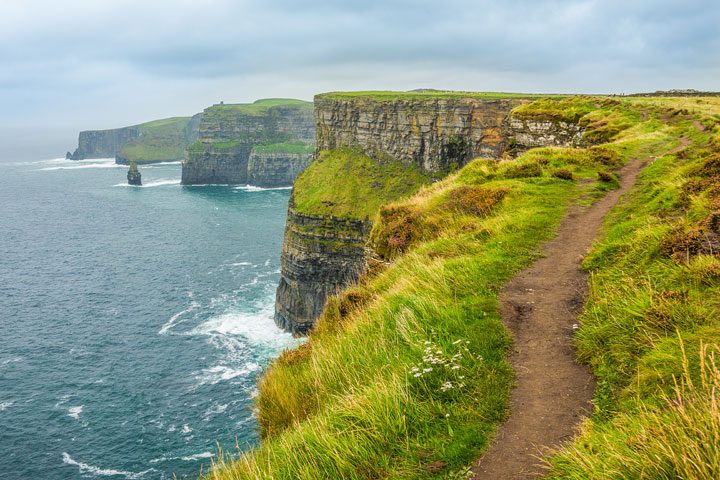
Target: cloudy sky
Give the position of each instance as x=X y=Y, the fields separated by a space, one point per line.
x=83 y=64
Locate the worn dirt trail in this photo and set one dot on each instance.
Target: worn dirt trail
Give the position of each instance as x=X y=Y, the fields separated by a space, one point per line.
x=541 y=306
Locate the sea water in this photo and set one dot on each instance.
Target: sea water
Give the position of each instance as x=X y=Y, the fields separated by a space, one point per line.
x=134 y=321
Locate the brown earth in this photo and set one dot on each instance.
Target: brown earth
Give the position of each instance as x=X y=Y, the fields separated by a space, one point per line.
x=541 y=306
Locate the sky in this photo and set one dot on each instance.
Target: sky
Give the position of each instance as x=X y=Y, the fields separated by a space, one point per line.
x=90 y=64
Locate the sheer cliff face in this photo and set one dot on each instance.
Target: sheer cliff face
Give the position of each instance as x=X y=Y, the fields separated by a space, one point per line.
x=320 y=256
x=320 y=253
x=265 y=169
x=228 y=133
x=435 y=134
x=103 y=143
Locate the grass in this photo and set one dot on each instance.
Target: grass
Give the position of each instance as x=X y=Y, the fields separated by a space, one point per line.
x=295 y=148
x=652 y=322
x=159 y=140
x=405 y=374
x=389 y=96
x=260 y=107
x=346 y=183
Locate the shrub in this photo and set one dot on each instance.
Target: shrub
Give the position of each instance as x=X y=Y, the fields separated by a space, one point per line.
x=563 y=174
x=604 y=156
x=606 y=177
x=475 y=200
x=523 y=170
x=397 y=229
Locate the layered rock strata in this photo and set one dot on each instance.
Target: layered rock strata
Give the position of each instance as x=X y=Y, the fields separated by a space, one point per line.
x=320 y=256
x=229 y=132
x=103 y=143
x=267 y=169
x=435 y=134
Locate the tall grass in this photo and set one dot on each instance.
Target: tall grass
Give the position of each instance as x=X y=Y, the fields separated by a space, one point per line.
x=405 y=374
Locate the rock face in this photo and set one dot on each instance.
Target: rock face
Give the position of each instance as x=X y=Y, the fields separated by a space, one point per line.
x=527 y=133
x=267 y=169
x=103 y=143
x=133 y=175
x=324 y=254
x=320 y=256
x=228 y=133
x=436 y=134
x=156 y=141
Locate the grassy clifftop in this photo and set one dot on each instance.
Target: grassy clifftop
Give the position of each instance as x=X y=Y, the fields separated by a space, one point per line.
x=405 y=374
x=390 y=96
x=346 y=183
x=159 y=140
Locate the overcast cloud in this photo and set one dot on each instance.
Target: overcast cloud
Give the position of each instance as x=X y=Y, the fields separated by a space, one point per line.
x=106 y=63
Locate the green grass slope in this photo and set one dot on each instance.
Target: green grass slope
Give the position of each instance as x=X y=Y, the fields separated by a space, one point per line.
x=160 y=140
x=405 y=374
x=346 y=183
x=651 y=328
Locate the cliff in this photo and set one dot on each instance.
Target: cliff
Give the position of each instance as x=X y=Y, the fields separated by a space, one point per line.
x=156 y=141
x=228 y=133
x=103 y=143
x=428 y=134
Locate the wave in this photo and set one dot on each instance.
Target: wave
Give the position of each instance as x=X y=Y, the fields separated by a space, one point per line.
x=198 y=456
x=62 y=164
x=222 y=373
x=257 y=328
x=75 y=412
x=5 y=405
x=253 y=188
x=157 y=164
x=104 y=472
x=174 y=319
x=155 y=183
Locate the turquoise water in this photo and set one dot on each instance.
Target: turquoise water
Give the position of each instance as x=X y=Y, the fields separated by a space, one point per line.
x=134 y=322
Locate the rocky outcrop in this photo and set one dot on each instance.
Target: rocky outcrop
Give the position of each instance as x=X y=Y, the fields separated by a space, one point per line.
x=103 y=143
x=436 y=134
x=320 y=256
x=268 y=169
x=527 y=133
x=228 y=133
x=133 y=175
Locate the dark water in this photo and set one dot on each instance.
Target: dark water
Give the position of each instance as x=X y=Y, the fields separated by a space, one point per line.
x=134 y=322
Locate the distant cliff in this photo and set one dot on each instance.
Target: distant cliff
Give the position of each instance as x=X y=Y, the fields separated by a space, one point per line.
x=157 y=141
x=381 y=147
x=280 y=132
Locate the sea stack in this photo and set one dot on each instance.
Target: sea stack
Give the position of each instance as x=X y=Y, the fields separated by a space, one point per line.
x=133 y=175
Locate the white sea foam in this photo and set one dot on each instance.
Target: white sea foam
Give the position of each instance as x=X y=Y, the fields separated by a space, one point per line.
x=240 y=264
x=220 y=373
x=176 y=318
x=75 y=412
x=62 y=164
x=253 y=188
x=5 y=405
x=257 y=328
x=7 y=361
x=102 y=472
x=186 y=429
x=155 y=183
x=198 y=456
x=216 y=409
x=157 y=164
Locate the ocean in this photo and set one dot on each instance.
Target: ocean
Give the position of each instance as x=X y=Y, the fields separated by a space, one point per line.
x=134 y=321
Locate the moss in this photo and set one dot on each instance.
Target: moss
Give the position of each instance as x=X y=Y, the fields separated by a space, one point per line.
x=347 y=183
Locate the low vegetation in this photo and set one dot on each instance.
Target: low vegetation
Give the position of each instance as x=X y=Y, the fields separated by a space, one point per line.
x=405 y=374
x=387 y=96
x=651 y=328
x=346 y=183
x=160 y=141
x=295 y=148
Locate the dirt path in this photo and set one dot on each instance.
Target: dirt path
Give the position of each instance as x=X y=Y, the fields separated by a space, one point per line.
x=541 y=306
